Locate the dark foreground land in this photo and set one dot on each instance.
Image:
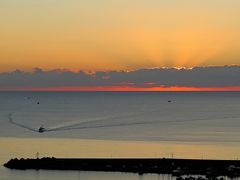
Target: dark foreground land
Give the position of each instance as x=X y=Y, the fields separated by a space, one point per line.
x=176 y=167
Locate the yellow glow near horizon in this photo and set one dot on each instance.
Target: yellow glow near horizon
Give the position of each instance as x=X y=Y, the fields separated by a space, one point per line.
x=118 y=35
x=77 y=148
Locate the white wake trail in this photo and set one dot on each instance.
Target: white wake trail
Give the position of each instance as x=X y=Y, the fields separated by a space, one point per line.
x=94 y=122
x=11 y=120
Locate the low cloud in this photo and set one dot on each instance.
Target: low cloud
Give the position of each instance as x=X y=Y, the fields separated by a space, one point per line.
x=215 y=76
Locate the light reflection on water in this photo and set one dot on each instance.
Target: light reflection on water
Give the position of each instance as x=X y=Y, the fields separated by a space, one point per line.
x=28 y=147
x=77 y=175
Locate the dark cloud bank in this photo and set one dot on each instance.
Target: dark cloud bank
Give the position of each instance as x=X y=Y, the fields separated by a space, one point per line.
x=218 y=76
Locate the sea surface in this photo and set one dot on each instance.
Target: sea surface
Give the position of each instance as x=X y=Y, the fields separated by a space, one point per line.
x=202 y=125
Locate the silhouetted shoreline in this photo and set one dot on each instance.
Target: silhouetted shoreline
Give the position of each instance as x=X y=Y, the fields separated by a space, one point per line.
x=175 y=167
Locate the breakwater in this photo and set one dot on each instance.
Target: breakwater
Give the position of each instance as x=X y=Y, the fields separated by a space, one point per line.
x=176 y=167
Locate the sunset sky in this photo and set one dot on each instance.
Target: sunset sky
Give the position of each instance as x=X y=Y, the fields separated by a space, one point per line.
x=110 y=35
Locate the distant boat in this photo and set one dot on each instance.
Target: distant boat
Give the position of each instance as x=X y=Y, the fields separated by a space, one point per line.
x=41 y=129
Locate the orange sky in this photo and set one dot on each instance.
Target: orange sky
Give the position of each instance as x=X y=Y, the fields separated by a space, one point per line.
x=118 y=35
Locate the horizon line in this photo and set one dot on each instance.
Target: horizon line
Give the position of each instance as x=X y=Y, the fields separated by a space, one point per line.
x=122 y=89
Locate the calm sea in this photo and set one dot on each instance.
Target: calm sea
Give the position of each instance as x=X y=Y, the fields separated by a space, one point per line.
x=202 y=125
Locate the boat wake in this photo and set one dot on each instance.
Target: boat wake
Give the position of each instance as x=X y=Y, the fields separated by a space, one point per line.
x=130 y=119
x=10 y=118
x=105 y=122
x=101 y=122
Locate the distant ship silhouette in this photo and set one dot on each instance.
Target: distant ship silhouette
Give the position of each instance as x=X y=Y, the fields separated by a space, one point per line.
x=41 y=129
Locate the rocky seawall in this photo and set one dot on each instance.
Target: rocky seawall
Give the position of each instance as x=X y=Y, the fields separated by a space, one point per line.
x=176 y=167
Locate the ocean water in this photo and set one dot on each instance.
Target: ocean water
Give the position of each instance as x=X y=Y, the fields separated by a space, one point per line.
x=117 y=124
